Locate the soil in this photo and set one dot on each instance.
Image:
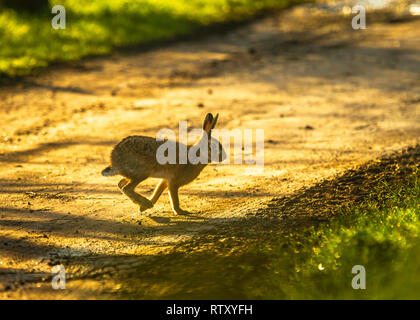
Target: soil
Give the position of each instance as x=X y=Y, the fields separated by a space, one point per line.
x=328 y=97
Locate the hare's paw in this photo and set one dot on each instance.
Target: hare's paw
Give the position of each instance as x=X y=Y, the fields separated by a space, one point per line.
x=182 y=212
x=146 y=205
x=143 y=208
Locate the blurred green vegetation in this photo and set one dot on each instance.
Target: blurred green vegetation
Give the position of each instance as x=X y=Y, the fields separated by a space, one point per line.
x=96 y=27
x=382 y=234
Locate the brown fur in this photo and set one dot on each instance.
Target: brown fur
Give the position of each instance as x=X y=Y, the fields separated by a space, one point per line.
x=135 y=159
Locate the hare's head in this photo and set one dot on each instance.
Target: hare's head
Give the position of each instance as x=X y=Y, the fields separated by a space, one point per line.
x=216 y=152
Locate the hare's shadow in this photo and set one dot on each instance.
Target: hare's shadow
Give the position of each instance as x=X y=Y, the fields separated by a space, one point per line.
x=158 y=219
x=172 y=219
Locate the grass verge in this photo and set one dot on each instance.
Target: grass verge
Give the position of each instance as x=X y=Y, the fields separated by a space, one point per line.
x=96 y=27
x=382 y=233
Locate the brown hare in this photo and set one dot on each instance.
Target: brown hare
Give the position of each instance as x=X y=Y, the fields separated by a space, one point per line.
x=135 y=158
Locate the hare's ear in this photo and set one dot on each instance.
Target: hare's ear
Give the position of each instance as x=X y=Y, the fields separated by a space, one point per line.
x=208 y=121
x=213 y=123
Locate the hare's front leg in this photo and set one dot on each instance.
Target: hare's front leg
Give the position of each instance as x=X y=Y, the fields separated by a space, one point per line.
x=127 y=187
x=158 y=191
x=173 y=195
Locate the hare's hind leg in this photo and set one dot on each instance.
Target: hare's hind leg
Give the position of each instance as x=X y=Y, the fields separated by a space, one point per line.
x=122 y=183
x=128 y=190
x=158 y=190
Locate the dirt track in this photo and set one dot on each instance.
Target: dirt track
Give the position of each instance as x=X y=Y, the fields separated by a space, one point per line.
x=328 y=97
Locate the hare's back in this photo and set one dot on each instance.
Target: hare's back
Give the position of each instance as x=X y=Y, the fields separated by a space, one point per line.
x=135 y=153
x=140 y=145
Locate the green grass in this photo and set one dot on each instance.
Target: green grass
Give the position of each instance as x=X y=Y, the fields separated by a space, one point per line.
x=96 y=27
x=382 y=234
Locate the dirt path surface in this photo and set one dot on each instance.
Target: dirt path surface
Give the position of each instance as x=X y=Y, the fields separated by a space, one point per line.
x=329 y=98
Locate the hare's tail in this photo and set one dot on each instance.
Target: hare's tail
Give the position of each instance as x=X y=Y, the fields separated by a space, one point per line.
x=109 y=171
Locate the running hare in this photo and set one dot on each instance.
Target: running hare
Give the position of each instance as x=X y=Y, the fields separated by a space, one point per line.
x=135 y=159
